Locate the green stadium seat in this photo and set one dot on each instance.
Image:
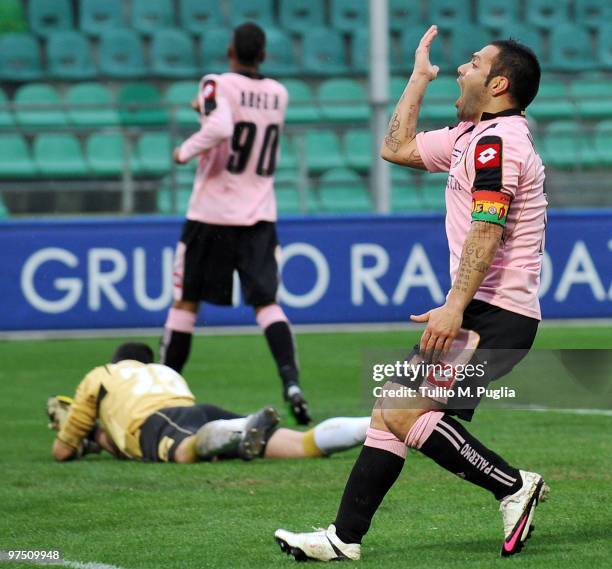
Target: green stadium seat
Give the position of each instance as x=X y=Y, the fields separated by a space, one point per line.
x=91 y=105
x=59 y=156
x=39 y=105
x=461 y=51
x=448 y=15
x=7 y=119
x=360 y=51
x=48 y=16
x=547 y=14
x=349 y=16
x=106 y=155
x=323 y=150
x=343 y=191
x=440 y=97
x=280 y=57
x=567 y=146
x=302 y=102
x=552 y=102
x=184 y=184
x=593 y=98
x=69 y=56
x=4 y=212
x=154 y=153
x=97 y=17
x=496 y=14
x=140 y=104
x=12 y=17
x=404 y=15
x=15 y=158
x=405 y=195
x=570 y=49
x=287 y=192
x=603 y=142
x=525 y=34
x=604 y=46
x=179 y=96
x=592 y=13
x=433 y=189
x=409 y=42
x=343 y=100
x=172 y=54
x=298 y=16
x=260 y=11
x=148 y=16
x=121 y=54
x=19 y=58
x=214 y=50
x=358 y=149
x=324 y=52
x=288 y=158
x=196 y=16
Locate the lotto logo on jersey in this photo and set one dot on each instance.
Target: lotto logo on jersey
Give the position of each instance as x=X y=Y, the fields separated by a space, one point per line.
x=209 y=93
x=487 y=156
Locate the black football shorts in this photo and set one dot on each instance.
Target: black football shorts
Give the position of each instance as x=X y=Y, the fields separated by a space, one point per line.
x=207 y=256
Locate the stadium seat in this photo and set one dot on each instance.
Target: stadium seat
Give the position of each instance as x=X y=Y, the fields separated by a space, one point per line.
x=154 y=153
x=360 y=51
x=260 y=11
x=298 y=16
x=593 y=98
x=404 y=15
x=280 y=57
x=172 y=54
x=343 y=191
x=525 y=34
x=349 y=16
x=358 y=149
x=106 y=155
x=302 y=106
x=214 y=50
x=140 y=105
x=69 y=56
x=460 y=50
x=19 y=58
x=48 y=16
x=179 y=96
x=592 y=13
x=409 y=42
x=12 y=17
x=97 y=17
x=4 y=212
x=39 y=105
x=497 y=14
x=603 y=142
x=15 y=158
x=91 y=105
x=547 y=14
x=324 y=52
x=287 y=193
x=149 y=16
x=196 y=16
x=567 y=146
x=405 y=195
x=7 y=119
x=604 y=46
x=288 y=158
x=448 y=15
x=323 y=150
x=121 y=55
x=570 y=49
x=440 y=97
x=552 y=101
x=59 y=155
x=184 y=181
x=343 y=100
x=432 y=191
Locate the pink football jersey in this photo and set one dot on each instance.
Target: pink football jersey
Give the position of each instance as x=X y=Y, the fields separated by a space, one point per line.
x=238 y=149
x=496 y=176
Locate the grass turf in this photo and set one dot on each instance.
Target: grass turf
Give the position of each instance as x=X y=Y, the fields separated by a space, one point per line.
x=223 y=515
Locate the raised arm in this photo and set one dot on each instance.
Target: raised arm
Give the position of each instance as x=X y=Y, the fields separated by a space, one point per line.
x=399 y=145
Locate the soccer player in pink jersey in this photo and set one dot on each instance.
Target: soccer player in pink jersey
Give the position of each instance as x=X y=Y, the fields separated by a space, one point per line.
x=231 y=217
x=496 y=215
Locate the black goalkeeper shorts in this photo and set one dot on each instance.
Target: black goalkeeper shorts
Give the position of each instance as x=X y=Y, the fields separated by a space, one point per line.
x=164 y=430
x=207 y=256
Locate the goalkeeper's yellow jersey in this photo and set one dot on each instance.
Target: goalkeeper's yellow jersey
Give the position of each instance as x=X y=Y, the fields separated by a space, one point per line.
x=121 y=396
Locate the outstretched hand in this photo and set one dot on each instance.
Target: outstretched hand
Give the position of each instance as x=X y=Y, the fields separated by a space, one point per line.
x=443 y=325
x=422 y=65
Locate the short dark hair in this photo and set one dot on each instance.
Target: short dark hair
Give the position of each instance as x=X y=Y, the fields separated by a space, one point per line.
x=133 y=351
x=249 y=43
x=520 y=66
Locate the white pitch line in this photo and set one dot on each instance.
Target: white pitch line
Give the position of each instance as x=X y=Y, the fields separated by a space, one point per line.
x=88 y=565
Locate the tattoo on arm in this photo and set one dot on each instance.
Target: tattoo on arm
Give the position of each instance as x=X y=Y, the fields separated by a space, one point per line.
x=391 y=140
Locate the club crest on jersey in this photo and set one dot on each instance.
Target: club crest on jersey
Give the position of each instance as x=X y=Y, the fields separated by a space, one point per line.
x=209 y=93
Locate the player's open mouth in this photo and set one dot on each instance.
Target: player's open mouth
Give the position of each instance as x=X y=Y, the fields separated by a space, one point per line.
x=458 y=101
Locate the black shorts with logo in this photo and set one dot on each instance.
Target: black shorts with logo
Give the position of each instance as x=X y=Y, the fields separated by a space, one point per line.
x=208 y=255
x=164 y=430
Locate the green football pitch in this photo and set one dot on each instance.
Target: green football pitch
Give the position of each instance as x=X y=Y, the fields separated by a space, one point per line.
x=223 y=515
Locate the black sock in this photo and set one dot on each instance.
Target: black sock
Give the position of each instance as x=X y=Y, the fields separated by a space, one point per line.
x=456 y=450
x=280 y=341
x=174 y=349
x=374 y=473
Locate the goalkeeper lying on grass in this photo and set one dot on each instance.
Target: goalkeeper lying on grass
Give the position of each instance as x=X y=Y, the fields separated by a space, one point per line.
x=139 y=410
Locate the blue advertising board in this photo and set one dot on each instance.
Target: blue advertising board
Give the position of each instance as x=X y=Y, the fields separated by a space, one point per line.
x=117 y=273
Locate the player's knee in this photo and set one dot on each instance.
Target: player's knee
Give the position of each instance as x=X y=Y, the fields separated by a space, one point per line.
x=400 y=421
x=187 y=305
x=269 y=314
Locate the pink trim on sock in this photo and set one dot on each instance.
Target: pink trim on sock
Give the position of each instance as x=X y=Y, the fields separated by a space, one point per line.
x=422 y=428
x=384 y=440
x=181 y=320
x=269 y=315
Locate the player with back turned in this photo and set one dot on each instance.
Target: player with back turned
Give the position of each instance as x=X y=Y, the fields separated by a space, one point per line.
x=232 y=211
x=495 y=221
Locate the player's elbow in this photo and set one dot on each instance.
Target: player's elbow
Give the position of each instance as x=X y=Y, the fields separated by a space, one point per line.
x=62 y=452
